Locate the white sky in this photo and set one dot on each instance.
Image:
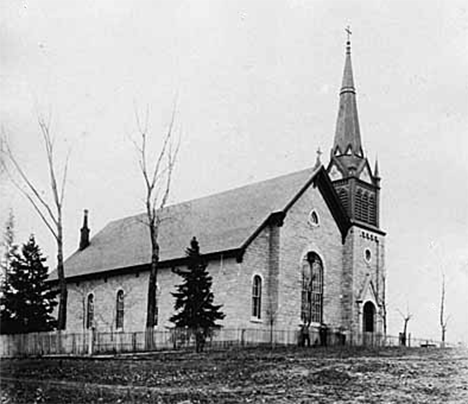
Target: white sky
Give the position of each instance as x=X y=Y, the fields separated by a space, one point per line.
x=258 y=86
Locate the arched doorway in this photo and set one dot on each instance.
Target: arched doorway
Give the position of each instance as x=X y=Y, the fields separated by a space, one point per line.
x=368 y=320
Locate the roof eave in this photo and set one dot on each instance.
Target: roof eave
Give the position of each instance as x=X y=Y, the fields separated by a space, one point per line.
x=236 y=253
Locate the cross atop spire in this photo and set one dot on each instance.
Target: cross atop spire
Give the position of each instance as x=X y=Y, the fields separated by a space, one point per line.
x=349 y=33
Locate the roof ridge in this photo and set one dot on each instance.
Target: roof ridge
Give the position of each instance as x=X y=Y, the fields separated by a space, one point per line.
x=227 y=191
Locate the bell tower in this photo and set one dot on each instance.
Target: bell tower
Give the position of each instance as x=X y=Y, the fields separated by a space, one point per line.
x=358 y=188
x=355 y=183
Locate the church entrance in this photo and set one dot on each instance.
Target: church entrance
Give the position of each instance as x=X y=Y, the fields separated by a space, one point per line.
x=368 y=320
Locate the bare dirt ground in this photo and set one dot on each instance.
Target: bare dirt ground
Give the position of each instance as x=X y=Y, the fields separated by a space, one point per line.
x=294 y=375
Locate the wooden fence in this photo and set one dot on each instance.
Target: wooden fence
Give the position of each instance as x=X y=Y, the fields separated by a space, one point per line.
x=99 y=343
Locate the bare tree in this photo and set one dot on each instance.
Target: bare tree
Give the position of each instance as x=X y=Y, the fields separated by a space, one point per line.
x=383 y=302
x=49 y=212
x=443 y=318
x=157 y=178
x=406 y=318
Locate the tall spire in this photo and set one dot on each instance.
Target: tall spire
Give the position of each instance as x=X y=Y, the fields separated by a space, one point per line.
x=347 y=133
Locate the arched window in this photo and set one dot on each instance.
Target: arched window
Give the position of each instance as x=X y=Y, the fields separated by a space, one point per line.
x=90 y=311
x=257 y=297
x=313 y=219
x=119 y=315
x=312 y=290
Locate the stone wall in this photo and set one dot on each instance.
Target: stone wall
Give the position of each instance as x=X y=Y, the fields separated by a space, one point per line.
x=232 y=287
x=298 y=237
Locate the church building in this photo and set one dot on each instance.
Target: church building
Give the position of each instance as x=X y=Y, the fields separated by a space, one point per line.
x=302 y=248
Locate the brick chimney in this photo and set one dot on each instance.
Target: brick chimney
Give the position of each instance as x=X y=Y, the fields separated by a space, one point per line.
x=84 y=239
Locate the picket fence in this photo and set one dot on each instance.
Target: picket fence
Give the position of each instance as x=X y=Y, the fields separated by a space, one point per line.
x=100 y=343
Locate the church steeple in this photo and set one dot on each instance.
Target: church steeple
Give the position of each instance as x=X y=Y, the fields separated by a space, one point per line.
x=356 y=185
x=347 y=133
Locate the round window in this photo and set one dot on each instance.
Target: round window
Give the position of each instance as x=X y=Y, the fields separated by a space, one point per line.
x=313 y=218
x=367 y=255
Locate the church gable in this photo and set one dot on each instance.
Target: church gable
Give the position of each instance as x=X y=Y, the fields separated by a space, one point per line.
x=310 y=228
x=367 y=292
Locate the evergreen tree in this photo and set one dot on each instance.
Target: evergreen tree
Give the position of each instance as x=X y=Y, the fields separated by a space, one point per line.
x=28 y=300
x=194 y=306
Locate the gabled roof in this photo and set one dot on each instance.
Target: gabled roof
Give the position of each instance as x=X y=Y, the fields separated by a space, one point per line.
x=224 y=222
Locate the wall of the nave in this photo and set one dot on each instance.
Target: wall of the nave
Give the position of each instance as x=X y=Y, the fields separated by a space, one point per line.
x=105 y=295
x=298 y=237
x=232 y=287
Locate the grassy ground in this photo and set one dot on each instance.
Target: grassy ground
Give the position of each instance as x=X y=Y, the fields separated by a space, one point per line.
x=307 y=375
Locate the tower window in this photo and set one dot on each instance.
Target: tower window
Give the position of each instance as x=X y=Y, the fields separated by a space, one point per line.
x=359 y=205
x=372 y=210
x=119 y=315
x=343 y=195
x=367 y=255
x=257 y=297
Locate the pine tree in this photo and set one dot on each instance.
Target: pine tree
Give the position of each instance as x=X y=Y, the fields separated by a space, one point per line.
x=194 y=306
x=28 y=300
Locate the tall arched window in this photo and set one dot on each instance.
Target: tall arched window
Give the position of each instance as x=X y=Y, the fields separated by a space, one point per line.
x=90 y=311
x=119 y=315
x=312 y=290
x=257 y=297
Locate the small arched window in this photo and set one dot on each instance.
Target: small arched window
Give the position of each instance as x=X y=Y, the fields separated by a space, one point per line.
x=119 y=315
x=257 y=297
x=90 y=311
x=313 y=219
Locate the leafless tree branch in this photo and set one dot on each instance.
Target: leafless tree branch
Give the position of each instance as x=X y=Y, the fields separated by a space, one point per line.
x=158 y=181
x=52 y=220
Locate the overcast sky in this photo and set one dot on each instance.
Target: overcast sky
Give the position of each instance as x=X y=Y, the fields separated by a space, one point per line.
x=257 y=85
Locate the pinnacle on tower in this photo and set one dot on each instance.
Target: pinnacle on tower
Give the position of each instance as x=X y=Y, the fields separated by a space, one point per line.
x=376 y=168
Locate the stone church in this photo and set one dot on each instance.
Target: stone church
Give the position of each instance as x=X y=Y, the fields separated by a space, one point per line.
x=303 y=248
